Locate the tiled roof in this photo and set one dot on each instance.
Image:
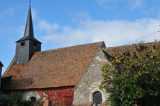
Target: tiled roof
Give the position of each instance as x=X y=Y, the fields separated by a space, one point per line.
x=52 y=68
x=113 y=51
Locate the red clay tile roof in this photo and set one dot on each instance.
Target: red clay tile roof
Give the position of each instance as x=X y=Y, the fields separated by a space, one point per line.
x=52 y=68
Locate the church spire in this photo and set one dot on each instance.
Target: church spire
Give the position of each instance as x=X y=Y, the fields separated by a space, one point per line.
x=29 y=32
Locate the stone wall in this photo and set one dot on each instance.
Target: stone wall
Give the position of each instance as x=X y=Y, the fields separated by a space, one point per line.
x=83 y=92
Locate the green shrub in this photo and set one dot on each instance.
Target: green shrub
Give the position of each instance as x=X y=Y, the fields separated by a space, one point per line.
x=133 y=77
x=15 y=100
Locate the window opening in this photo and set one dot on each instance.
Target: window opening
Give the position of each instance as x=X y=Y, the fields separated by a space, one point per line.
x=33 y=99
x=23 y=43
x=97 y=97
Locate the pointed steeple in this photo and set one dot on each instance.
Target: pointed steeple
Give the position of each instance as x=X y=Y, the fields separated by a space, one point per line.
x=29 y=30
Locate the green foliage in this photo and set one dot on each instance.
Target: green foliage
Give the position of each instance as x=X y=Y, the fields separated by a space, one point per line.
x=15 y=100
x=133 y=77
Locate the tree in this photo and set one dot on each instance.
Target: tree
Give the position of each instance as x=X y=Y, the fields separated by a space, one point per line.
x=133 y=77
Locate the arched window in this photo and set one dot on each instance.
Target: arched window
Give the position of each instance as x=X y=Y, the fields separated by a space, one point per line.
x=33 y=99
x=97 y=97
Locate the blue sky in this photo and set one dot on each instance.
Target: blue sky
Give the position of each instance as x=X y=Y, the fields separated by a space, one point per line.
x=62 y=23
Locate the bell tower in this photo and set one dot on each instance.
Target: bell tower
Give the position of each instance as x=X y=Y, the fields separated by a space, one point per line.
x=28 y=44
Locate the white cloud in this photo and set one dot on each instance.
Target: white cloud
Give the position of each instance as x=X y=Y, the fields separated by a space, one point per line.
x=47 y=27
x=114 y=33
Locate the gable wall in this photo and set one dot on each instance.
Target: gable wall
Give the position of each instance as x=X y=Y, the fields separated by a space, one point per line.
x=83 y=92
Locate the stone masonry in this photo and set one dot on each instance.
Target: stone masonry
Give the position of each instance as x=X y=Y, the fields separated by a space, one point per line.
x=83 y=92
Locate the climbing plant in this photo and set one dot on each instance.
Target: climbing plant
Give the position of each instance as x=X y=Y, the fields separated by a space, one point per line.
x=133 y=77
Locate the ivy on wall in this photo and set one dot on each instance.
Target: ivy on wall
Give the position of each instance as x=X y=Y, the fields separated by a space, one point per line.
x=133 y=77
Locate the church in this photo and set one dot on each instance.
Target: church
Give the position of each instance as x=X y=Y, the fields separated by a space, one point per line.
x=69 y=76
x=61 y=77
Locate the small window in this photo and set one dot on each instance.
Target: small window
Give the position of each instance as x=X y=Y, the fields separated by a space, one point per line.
x=23 y=43
x=33 y=99
x=97 y=97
